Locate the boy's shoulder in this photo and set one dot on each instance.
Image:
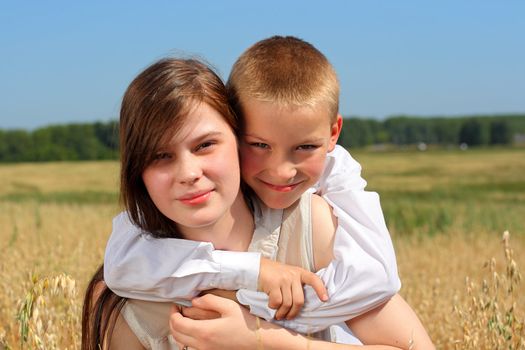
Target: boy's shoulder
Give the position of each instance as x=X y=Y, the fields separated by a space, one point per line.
x=341 y=170
x=338 y=161
x=341 y=155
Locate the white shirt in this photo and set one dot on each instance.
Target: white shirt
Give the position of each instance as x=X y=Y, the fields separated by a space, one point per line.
x=362 y=275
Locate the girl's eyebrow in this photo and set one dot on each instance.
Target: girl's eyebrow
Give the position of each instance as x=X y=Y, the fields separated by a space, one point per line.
x=196 y=139
x=207 y=135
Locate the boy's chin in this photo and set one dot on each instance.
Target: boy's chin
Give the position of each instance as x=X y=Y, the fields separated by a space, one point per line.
x=281 y=202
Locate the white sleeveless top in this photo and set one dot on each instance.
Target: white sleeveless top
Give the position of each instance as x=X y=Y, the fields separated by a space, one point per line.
x=282 y=235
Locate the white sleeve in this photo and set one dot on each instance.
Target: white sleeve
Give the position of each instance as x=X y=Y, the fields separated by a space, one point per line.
x=363 y=273
x=359 y=212
x=139 y=266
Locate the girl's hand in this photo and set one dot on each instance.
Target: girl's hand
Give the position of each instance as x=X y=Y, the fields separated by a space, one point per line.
x=234 y=329
x=284 y=286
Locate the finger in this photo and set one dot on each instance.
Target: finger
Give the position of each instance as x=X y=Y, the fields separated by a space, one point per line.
x=286 y=304
x=182 y=329
x=196 y=313
x=183 y=340
x=175 y=308
x=316 y=283
x=275 y=299
x=213 y=303
x=297 y=300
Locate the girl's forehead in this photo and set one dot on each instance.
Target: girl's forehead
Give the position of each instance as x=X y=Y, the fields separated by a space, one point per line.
x=200 y=121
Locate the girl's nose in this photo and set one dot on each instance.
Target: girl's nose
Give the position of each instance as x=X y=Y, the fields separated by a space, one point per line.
x=189 y=171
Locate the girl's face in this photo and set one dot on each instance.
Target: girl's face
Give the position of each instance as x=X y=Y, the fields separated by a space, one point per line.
x=195 y=178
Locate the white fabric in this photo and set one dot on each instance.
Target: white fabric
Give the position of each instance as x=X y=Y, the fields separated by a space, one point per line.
x=292 y=243
x=362 y=275
x=285 y=235
x=149 y=321
x=139 y=266
x=340 y=333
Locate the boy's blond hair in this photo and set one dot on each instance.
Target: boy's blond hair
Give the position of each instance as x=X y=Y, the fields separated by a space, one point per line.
x=287 y=71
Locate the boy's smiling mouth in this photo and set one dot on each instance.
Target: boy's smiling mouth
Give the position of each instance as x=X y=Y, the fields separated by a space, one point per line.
x=282 y=188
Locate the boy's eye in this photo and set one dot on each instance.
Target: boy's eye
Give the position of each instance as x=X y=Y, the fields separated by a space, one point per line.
x=307 y=147
x=259 y=145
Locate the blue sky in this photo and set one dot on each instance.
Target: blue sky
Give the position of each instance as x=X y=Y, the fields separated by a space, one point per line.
x=70 y=61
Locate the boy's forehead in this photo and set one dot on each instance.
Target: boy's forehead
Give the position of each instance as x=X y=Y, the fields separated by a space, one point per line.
x=286 y=126
x=257 y=109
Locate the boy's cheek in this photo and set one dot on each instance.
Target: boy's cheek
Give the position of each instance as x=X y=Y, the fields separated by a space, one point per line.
x=248 y=171
x=249 y=162
x=315 y=166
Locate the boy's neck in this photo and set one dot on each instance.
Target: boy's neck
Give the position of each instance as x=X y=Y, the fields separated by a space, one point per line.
x=233 y=231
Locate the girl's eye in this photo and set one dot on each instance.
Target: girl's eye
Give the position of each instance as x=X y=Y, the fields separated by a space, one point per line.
x=162 y=155
x=205 y=145
x=307 y=147
x=259 y=145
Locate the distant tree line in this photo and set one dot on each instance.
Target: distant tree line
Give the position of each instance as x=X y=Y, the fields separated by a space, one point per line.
x=100 y=140
x=60 y=142
x=403 y=130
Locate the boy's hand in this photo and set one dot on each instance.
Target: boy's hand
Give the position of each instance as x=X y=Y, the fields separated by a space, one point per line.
x=284 y=286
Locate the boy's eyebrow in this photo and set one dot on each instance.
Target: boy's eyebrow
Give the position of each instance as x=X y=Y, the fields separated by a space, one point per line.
x=313 y=140
x=306 y=141
x=254 y=136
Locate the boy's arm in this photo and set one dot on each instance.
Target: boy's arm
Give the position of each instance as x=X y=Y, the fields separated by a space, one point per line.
x=363 y=273
x=356 y=283
x=141 y=267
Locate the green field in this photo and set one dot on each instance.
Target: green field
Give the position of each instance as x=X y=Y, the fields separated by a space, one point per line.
x=443 y=191
x=446 y=211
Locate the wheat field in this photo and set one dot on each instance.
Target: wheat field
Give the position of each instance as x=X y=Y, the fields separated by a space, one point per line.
x=446 y=210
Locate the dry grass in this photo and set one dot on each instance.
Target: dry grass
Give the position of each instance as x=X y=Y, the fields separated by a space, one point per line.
x=466 y=289
x=39 y=243
x=463 y=282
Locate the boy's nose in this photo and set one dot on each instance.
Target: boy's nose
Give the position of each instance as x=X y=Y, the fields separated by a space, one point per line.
x=285 y=172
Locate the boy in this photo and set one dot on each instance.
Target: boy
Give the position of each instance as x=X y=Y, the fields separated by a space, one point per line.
x=286 y=93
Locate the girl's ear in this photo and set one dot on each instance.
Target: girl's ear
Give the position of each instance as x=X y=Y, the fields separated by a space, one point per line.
x=335 y=131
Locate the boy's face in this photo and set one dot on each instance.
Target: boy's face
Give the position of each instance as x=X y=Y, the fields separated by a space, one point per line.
x=283 y=150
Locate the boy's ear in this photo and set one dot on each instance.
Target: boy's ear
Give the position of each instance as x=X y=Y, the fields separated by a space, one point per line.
x=335 y=131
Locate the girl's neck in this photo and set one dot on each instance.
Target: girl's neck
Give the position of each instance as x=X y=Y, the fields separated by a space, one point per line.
x=233 y=231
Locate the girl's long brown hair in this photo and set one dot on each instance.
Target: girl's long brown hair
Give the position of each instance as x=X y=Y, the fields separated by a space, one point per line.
x=154 y=107
x=99 y=313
